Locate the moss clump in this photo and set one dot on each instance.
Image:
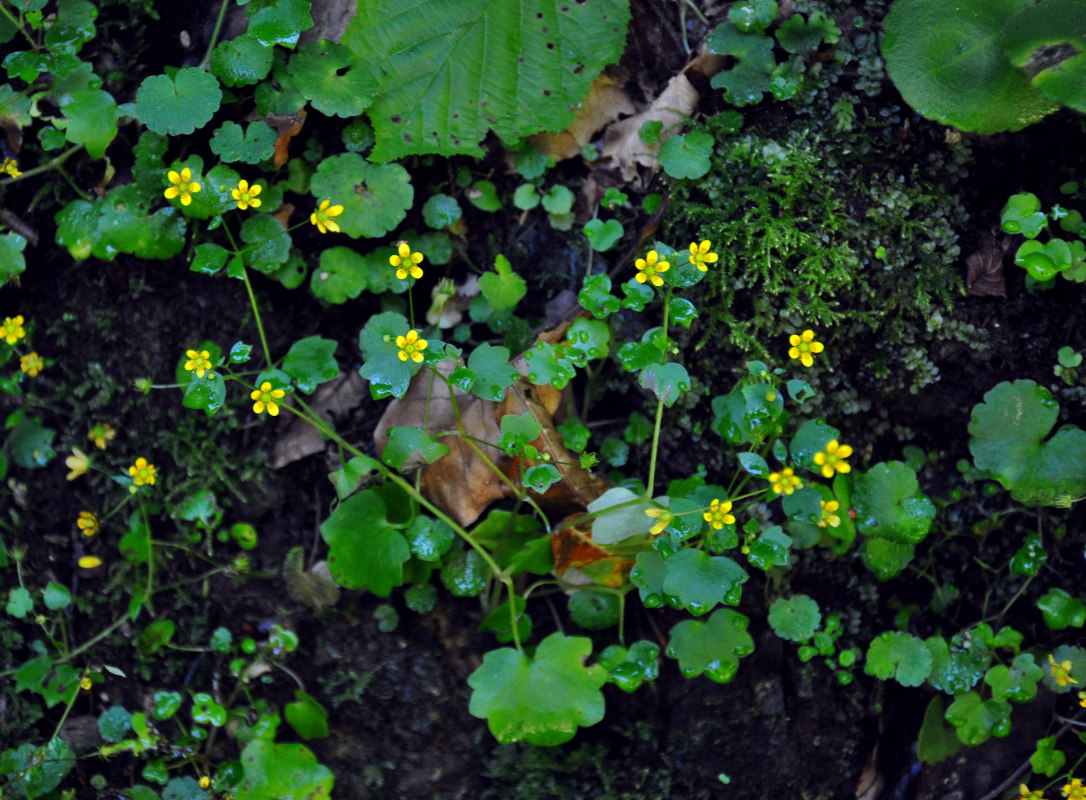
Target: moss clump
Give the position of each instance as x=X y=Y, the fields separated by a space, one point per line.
x=813 y=231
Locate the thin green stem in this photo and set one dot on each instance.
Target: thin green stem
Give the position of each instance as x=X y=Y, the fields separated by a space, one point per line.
x=19 y=27
x=256 y=316
x=214 y=35
x=650 y=484
x=48 y=165
x=67 y=711
x=150 y=589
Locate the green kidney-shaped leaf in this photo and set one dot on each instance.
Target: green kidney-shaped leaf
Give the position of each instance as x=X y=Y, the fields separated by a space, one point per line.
x=667 y=381
x=310 y=362
x=898 y=655
x=180 y=104
x=1006 y=438
x=686 y=155
x=364 y=551
x=955 y=666
x=540 y=699
x=1048 y=41
x=1016 y=683
x=1061 y=610
x=442 y=83
x=889 y=504
x=712 y=647
x=748 y=79
x=280 y=22
x=284 y=771
x=700 y=581
x=332 y=78
x=978 y=720
x=375 y=197
x=948 y=62
x=410 y=447
x=92 y=120
x=795 y=618
x=250 y=145
x=242 y=61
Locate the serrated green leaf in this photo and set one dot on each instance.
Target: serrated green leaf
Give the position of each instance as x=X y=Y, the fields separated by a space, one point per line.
x=442 y=86
x=712 y=647
x=332 y=78
x=540 y=699
x=409 y=448
x=1007 y=433
x=178 y=105
x=795 y=618
x=898 y=655
x=375 y=197
x=310 y=362
x=251 y=145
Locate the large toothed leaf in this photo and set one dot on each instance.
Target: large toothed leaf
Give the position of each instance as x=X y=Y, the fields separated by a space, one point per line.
x=449 y=70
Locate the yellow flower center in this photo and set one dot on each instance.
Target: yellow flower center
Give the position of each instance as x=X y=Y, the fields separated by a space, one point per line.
x=785 y=481
x=717 y=516
x=265 y=398
x=246 y=195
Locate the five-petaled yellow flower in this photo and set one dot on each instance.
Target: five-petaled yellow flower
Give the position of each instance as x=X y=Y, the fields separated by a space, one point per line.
x=663 y=518
x=78 y=462
x=785 y=482
x=832 y=460
x=204 y=781
x=650 y=267
x=406 y=262
x=87 y=523
x=265 y=398
x=804 y=347
x=829 y=514
x=200 y=363
x=11 y=167
x=246 y=195
x=183 y=186
x=411 y=346
x=85 y=683
x=700 y=255
x=1061 y=672
x=101 y=434
x=12 y=330
x=322 y=217
x=1074 y=790
x=717 y=516
x=89 y=562
x=1024 y=793
x=31 y=364
x=142 y=473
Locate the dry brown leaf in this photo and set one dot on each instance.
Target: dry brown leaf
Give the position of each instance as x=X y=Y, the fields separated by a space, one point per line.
x=985 y=276
x=605 y=103
x=334 y=398
x=622 y=146
x=574 y=549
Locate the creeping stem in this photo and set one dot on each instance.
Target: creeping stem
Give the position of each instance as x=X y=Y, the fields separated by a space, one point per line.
x=659 y=403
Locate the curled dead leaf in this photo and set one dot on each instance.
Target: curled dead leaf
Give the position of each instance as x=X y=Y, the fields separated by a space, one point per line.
x=606 y=102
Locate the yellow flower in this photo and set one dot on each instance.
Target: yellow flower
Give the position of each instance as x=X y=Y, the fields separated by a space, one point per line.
x=246 y=195
x=204 y=781
x=31 y=364
x=650 y=267
x=785 y=482
x=265 y=398
x=101 y=434
x=411 y=346
x=1024 y=793
x=804 y=347
x=90 y=562
x=11 y=167
x=833 y=459
x=142 y=473
x=717 y=516
x=200 y=362
x=183 y=185
x=829 y=514
x=1082 y=699
x=322 y=217
x=87 y=523
x=1061 y=673
x=700 y=255
x=78 y=462
x=406 y=262
x=663 y=518
x=1074 y=790
x=85 y=683
x=12 y=330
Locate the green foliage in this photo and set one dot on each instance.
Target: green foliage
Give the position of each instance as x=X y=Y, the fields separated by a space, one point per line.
x=745 y=83
x=540 y=699
x=178 y=104
x=978 y=720
x=251 y=145
x=282 y=770
x=502 y=288
x=898 y=655
x=428 y=99
x=795 y=618
x=686 y=155
x=1010 y=438
x=365 y=551
x=893 y=514
x=375 y=197
x=713 y=647
x=1060 y=610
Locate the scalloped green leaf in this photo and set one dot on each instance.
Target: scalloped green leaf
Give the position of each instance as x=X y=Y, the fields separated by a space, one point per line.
x=596 y=297
x=1060 y=610
x=628 y=669
x=546 y=366
x=442 y=84
x=441 y=211
x=795 y=618
x=700 y=581
x=310 y=362
x=602 y=235
x=251 y=145
x=1016 y=683
x=587 y=340
x=92 y=120
x=375 y=197
x=542 y=698
x=770 y=549
x=798 y=36
x=686 y=155
x=957 y=666
x=268 y=243
x=889 y=504
x=180 y=104
x=1048 y=42
x=1007 y=438
x=332 y=78
x=12 y=260
x=412 y=447
x=342 y=275
x=978 y=720
x=242 y=61
x=429 y=538
x=364 y=551
x=712 y=647
x=748 y=80
x=753 y=16
x=898 y=655
x=281 y=22
x=749 y=414
x=282 y=770
x=949 y=64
